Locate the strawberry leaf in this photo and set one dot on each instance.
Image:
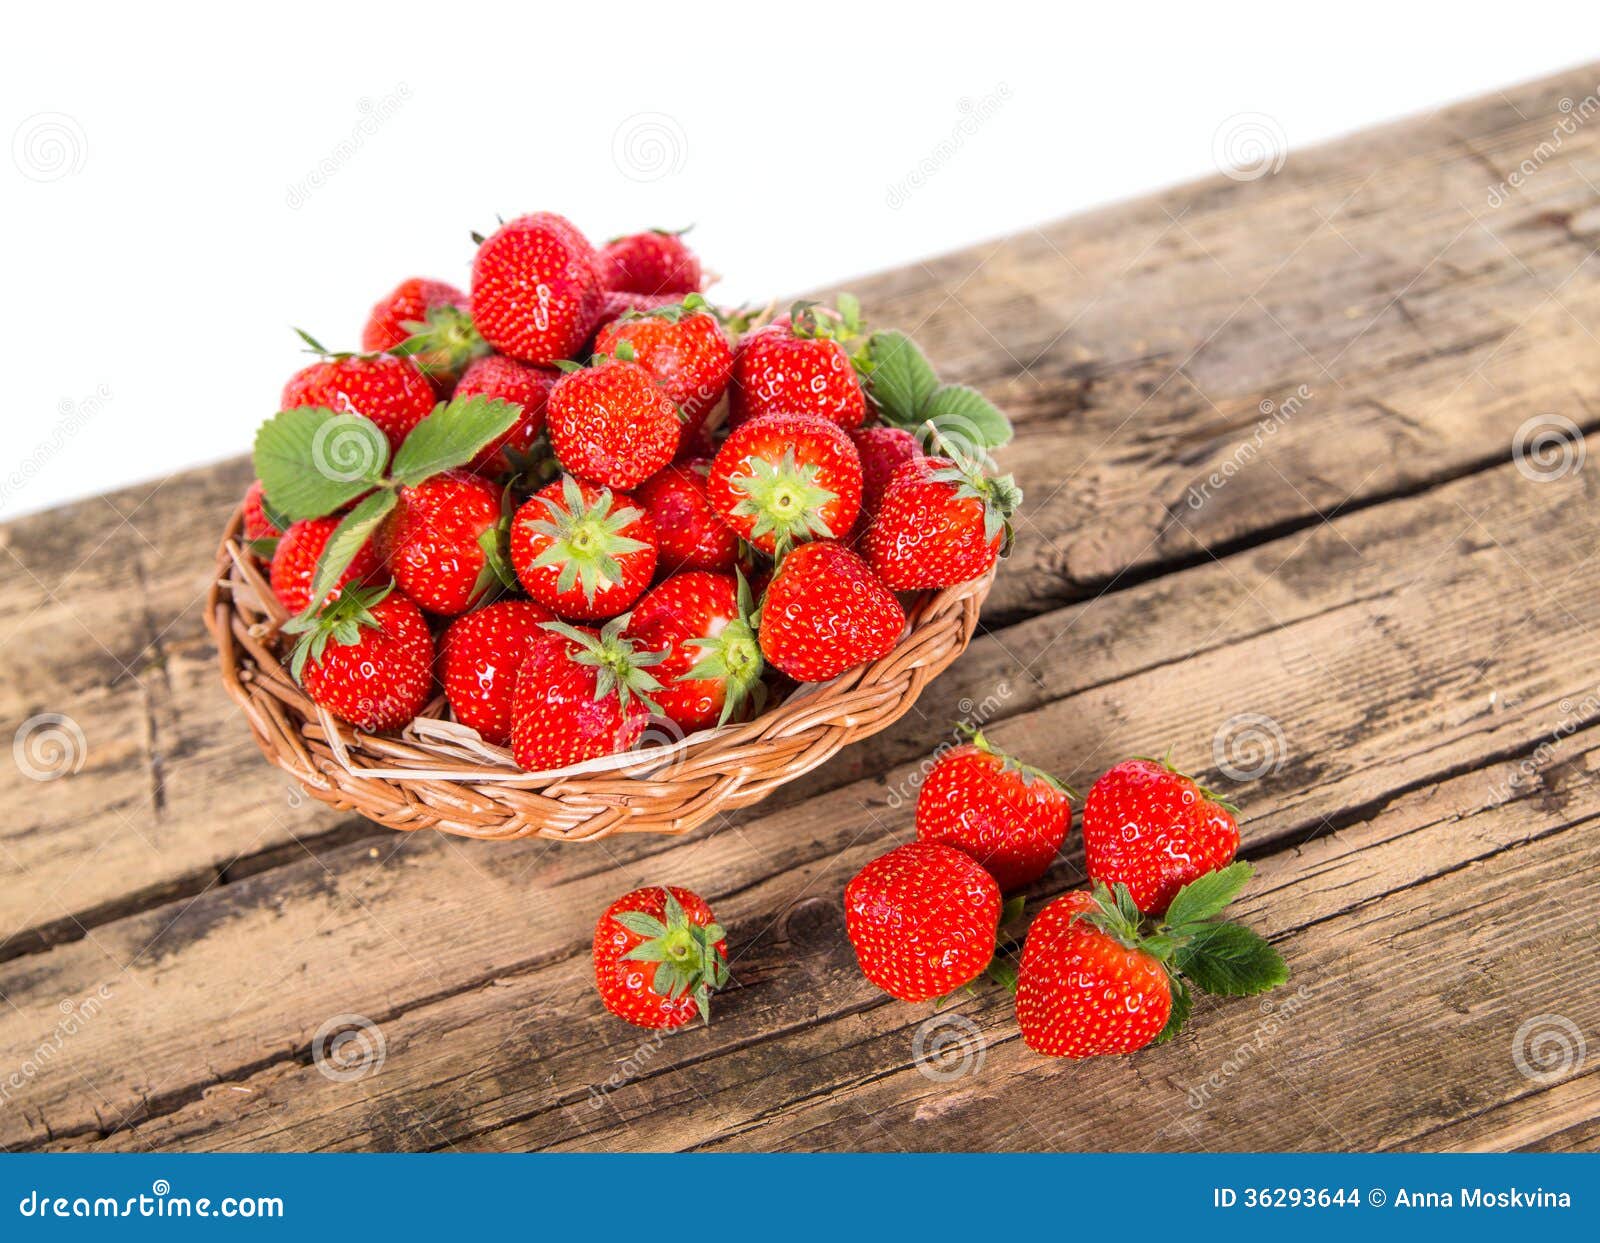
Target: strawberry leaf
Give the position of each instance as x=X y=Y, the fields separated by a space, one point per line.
x=1230 y=960
x=452 y=436
x=354 y=529
x=1205 y=896
x=967 y=418
x=902 y=378
x=311 y=460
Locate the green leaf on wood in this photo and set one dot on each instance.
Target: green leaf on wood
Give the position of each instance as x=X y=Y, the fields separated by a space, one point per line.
x=1230 y=960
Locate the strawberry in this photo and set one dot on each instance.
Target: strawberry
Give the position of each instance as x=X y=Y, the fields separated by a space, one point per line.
x=826 y=612
x=656 y=262
x=367 y=658
x=396 y=315
x=615 y=303
x=434 y=541
x=1151 y=828
x=388 y=390
x=580 y=695
x=582 y=551
x=939 y=523
x=684 y=347
x=881 y=449
x=796 y=364
x=712 y=662
x=535 y=288
x=481 y=651
x=691 y=535
x=658 y=954
x=611 y=425
x=495 y=375
x=1009 y=816
x=294 y=562
x=785 y=478
x=258 y=524
x=1095 y=978
x=922 y=920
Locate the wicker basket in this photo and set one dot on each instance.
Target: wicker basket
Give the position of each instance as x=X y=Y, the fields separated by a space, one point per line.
x=440 y=775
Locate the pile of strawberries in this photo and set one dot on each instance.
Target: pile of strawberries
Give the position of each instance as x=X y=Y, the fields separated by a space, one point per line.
x=1103 y=970
x=580 y=497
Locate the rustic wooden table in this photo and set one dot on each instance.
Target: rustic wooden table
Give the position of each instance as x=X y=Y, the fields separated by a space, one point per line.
x=1306 y=500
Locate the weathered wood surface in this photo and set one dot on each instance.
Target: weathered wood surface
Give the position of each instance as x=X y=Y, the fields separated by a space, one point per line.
x=1375 y=576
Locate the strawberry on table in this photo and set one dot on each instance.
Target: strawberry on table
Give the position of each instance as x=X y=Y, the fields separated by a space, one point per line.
x=691 y=535
x=580 y=695
x=786 y=478
x=658 y=955
x=367 y=657
x=1153 y=829
x=581 y=551
x=684 y=347
x=1009 y=816
x=523 y=384
x=433 y=541
x=382 y=387
x=799 y=364
x=481 y=652
x=294 y=562
x=922 y=920
x=611 y=425
x=712 y=662
x=536 y=288
x=939 y=523
x=653 y=262
x=825 y=612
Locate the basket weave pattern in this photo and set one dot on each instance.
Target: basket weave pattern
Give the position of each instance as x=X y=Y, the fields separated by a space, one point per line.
x=435 y=776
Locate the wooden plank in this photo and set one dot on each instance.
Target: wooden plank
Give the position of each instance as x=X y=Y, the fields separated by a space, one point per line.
x=1412 y=606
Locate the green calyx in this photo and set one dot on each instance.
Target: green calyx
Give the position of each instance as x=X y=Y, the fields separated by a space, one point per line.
x=586 y=540
x=734 y=659
x=620 y=666
x=810 y=319
x=685 y=953
x=999 y=495
x=1194 y=947
x=785 y=500
x=444 y=343
x=340 y=621
x=673 y=312
x=1011 y=763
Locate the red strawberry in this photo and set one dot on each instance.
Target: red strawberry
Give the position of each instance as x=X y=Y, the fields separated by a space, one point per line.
x=1081 y=991
x=691 y=535
x=528 y=386
x=658 y=954
x=922 y=919
x=1009 y=816
x=616 y=303
x=257 y=524
x=785 y=478
x=367 y=658
x=1154 y=830
x=939 y=524
x=579 y=695
x=535 y=288
x=388 y=390
x=656 y=262
x=881 y=449
x=394 y=317
x=294 y=562
x=826 y=612
x=796 y=366
x=582 y=551
x=712 y=662
x=611 y=425
x=433 y=541
x=684 y=347
x=481 y=651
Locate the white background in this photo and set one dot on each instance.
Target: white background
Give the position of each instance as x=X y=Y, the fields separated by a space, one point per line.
x=184 y=183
